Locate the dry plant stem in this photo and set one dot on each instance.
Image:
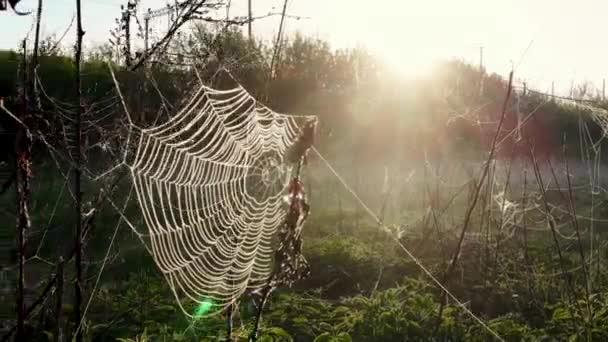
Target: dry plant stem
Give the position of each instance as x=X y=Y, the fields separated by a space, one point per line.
x=433 y=206
x=277 y=45
x=46 y=291
x=382 y=206
x=53 y=279
x=490 y=213
x=23 y=147
x=229 y=314
x=381 y=217
x=502 y=208
x=423 y=203
x=487 y=211
x=191 y=8
x=23 y=152
x=340 y=208
x=77 y=155
x=57 y=334
x=528 y=263
x=578 y=236
x=551 y=222
x=58 y=42
x=270 y=283
x=358 y=189
x=525 y=235
x=87 y=226
x=572 y=213
x=253 y=337
x=584 y=151
x=482 y=219
x=126 y=15
x=475 y=198
x=377 y=283
x=555 y=179
x=34 y=65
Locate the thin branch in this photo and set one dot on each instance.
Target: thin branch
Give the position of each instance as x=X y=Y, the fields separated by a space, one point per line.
x=473 y=204
x=77 y=171
x=551 y=223
x=190 y=9
x=578 y=236
x=277 y=44
x=102 y=195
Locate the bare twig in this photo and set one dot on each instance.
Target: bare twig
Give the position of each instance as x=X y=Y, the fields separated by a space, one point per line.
x=45 y=292
x=473 y=204
x=277 y=44
x=229 y=315
x=189 y=9
x=23 y=149
x=102 y=195
x=77 y=150
x=502 y=209
x=551 y=223
x=578 y=237
x=59 y=301
x=34 y=65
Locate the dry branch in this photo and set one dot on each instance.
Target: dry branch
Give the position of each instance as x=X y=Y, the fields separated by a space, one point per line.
x=473 y=204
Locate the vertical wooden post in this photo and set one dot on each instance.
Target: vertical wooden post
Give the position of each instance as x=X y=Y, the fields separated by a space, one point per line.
x=77 y=175
x=603 y=89
x=552 y=90
x=525 y=88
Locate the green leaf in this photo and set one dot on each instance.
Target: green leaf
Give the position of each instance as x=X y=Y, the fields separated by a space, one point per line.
x=300 y=320
x=342 y=310
x=561 y=314
x=324 y=337
x=344 y=337
x=99 y=326
x=279 y=332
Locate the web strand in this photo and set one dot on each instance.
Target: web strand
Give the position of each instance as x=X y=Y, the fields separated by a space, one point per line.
x=409 y=254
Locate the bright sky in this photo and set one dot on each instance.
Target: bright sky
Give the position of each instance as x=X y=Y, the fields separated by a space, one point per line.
x=567 y=38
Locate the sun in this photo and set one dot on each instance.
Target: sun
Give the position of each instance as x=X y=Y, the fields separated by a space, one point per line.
x=409 y=63
x=409 y=37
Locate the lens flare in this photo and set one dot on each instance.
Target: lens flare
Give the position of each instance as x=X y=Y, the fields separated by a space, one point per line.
x=203 y=308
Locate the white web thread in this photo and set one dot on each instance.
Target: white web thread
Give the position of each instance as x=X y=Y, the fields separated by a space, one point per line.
x=407 y=251
x=210 y=184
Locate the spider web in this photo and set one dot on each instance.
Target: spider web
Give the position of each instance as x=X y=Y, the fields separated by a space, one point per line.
x=210 y=183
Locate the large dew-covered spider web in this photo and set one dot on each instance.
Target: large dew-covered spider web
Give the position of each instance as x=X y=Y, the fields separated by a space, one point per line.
x=211 y=183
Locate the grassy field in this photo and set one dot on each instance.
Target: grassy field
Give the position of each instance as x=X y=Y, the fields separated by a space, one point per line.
x=362 y=286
